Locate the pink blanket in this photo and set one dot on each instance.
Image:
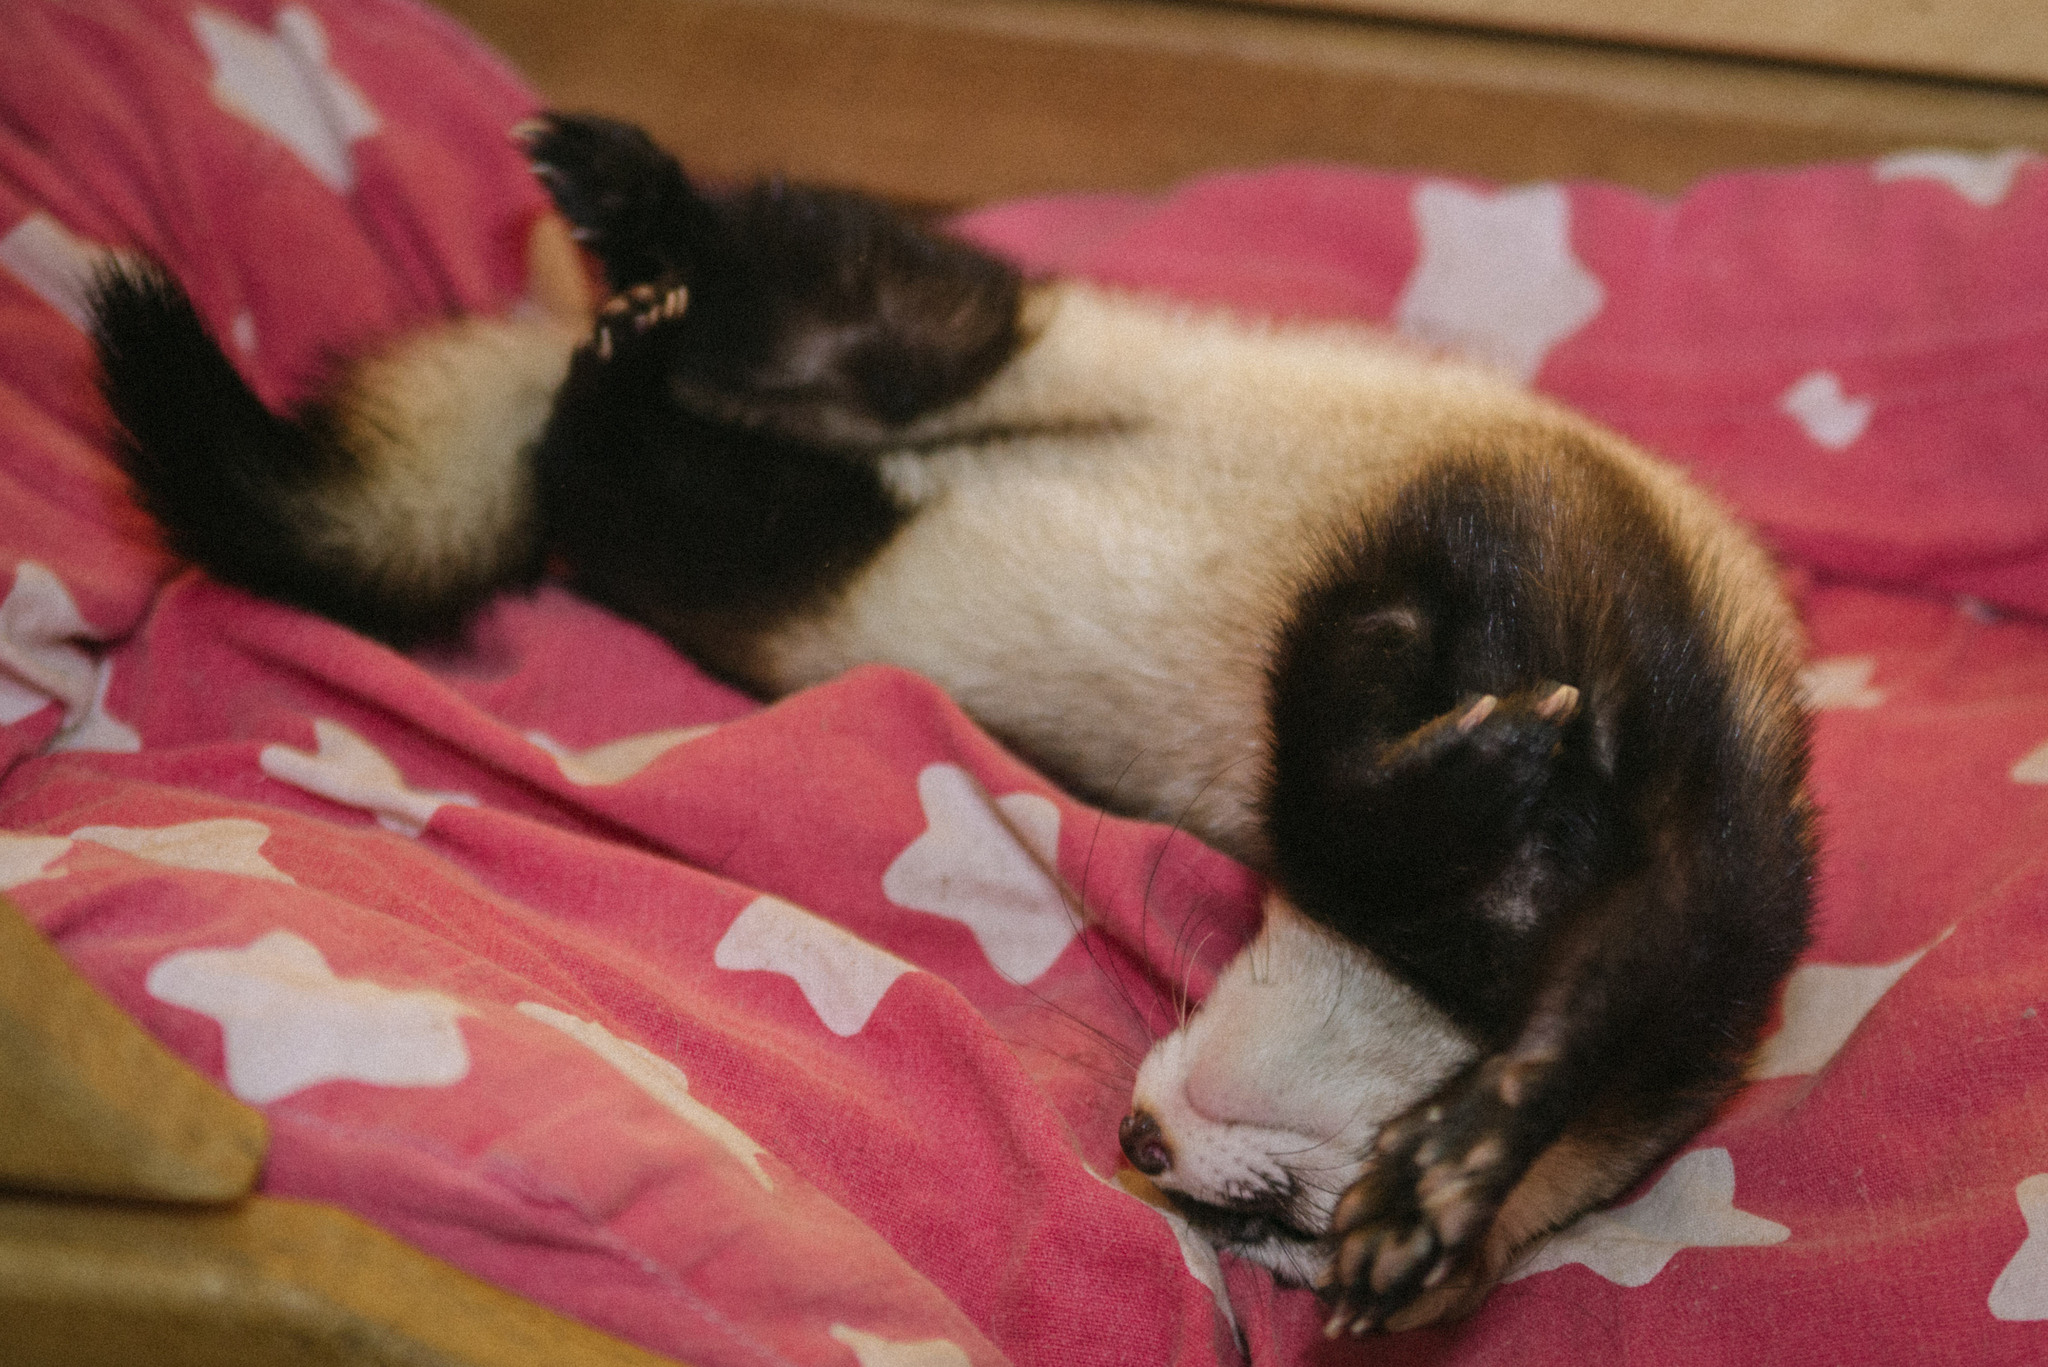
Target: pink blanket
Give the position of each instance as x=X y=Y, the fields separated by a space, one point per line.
x=799 y=1034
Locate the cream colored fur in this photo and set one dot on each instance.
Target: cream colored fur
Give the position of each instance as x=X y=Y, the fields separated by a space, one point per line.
x=1045 y=582
x=443 y=426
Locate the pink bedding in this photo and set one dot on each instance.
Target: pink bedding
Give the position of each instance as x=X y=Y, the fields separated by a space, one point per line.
x=799 y=1034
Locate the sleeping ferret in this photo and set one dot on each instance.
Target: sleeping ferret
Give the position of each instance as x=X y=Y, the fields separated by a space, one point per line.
x=1504 y=708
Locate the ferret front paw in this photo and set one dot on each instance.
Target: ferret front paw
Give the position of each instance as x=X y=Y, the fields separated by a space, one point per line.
x=1408 y=1239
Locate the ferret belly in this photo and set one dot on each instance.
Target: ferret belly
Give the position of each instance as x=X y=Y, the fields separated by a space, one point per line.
x=1109 y=639
x=1102 y=576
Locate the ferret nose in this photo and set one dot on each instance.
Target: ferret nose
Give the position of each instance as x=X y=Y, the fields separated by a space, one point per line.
x=1143 y=1143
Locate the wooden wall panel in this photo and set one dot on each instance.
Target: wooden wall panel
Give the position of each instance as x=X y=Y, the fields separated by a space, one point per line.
x=1984 y=40
x=958 y=101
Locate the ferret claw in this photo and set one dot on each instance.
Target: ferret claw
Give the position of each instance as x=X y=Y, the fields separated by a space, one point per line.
x=1477 y=713
x=1560 y=705
x=641 y=307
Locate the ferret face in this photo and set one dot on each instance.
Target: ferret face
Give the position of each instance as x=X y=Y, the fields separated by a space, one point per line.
x=1254 y=1115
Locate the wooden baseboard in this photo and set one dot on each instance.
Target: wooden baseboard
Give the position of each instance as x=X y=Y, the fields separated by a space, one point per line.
x=2002 y=42
x=961 y=101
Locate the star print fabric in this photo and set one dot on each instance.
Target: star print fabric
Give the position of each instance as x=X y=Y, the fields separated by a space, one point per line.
x=799 y=1034
x=1849 y=354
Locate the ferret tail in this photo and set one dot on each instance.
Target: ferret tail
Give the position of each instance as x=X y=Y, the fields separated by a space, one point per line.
x=394 y=503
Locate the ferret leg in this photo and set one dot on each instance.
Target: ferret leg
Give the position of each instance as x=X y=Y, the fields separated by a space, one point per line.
x=816 y=314
x=1564 y=1114
x=627 y=201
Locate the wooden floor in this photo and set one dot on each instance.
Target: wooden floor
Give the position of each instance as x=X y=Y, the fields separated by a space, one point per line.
x=958 y=101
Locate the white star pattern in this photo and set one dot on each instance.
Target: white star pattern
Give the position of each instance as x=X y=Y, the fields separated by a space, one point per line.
x=98 y=729
x=1983 y=178
x=1692 y=1206
x=990 y=865
x=19 y=701
x=2034 y=767
x=1496 y=278
x=1976 y=609
x=2021 y=1291
x=842 y=976
x=1841 y=681
x=287 y=1023
x=229 y=844
x=40 y=630
x=25 y=858
x=284 y=86
x=1824 y=1003
x=618 y=760
x=58 y=267
x=660 y=1079
x=355 y=773
x=1824 y=412
x=873 y=1351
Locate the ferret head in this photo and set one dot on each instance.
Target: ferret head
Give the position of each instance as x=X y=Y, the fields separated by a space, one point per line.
x=1254 y=1116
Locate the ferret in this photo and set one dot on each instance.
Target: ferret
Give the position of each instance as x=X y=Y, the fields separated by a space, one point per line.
x=1503 y=708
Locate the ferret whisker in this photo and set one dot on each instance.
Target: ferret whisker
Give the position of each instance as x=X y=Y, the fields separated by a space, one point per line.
x=1109 y=974
x=1179 y=825
x=1109 y=1080
x=1125 y=1056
